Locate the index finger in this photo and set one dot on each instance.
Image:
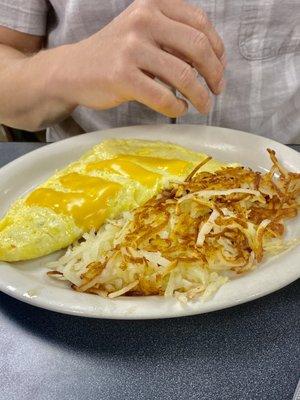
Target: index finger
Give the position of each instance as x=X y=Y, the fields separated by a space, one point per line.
x=180 y=11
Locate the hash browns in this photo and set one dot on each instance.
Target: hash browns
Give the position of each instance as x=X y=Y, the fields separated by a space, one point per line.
x=191 y=238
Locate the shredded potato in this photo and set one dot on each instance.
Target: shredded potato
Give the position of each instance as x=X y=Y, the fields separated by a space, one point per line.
x=190 y=239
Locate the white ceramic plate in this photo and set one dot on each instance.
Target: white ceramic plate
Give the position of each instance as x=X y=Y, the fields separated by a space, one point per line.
x=27 y=281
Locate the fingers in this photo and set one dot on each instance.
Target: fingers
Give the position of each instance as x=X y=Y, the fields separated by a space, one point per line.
x=194 y=46
x=181 y=11
x=179 y=75
x=156 y=96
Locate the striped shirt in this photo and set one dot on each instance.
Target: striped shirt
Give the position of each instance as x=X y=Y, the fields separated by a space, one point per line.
x=262 y=39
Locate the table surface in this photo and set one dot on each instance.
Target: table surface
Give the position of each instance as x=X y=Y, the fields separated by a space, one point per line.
x=251 y=351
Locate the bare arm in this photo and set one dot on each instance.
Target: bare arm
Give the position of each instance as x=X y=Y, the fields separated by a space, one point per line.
x=151 y=38
x=26 y=98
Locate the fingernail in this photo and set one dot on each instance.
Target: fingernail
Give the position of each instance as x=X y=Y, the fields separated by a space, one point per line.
x=185 y=107
x=223 y=60
x=207 y=107
x=221 y=85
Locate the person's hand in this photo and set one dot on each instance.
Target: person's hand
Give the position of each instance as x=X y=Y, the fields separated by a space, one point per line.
x=166 y=39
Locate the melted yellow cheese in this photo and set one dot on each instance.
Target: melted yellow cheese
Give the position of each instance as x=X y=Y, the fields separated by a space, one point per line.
x=126 y=168
x=172 y=166
x=87 y=197
x=87 y=203
x=71 y=202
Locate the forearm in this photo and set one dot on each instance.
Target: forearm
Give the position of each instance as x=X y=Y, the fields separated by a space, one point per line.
x=115 y=65
x=31 y=94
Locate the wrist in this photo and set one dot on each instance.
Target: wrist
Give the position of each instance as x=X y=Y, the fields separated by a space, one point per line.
x=44 y=76
x=58 y=81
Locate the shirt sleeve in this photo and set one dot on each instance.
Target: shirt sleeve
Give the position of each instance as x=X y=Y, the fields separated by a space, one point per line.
x=28 y=16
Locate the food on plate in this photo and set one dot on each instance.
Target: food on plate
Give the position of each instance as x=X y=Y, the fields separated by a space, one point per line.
x=190 y=238
x=113 y=177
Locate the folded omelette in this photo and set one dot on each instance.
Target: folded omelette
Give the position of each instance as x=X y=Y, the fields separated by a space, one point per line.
x=113 y=177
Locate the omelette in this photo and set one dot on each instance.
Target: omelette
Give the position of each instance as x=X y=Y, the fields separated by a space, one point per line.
x=113 y=177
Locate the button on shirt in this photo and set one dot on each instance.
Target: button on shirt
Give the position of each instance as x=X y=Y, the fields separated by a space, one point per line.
x=262 y=40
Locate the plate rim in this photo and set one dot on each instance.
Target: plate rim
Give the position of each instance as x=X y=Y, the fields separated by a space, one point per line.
x=150 y=126
x=127 y=317
x=41 y=303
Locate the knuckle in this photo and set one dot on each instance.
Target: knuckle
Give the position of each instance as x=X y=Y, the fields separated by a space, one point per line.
x=201 y=18
x=200 y=40
x=149 y=3
x=143 y=3
x=131 y=45
x=186 y=77
x=140 y=18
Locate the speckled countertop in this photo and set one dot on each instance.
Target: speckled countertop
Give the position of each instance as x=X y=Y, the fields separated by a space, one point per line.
x=247 y=352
